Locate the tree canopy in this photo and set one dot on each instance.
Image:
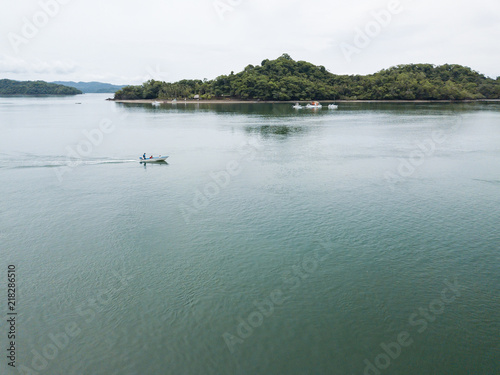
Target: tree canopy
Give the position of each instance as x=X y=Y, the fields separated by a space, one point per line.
x=10 y=87
x=287 y=79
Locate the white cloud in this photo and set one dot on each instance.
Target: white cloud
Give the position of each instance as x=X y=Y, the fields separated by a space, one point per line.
x=15 y=65
x=123 y=41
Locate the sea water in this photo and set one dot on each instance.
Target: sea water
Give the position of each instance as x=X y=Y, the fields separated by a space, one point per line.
x=361 y=240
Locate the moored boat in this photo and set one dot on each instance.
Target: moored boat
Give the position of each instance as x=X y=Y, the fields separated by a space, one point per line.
x=314 y=105
x=297 y=106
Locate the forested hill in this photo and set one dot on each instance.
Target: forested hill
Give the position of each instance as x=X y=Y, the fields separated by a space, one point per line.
x=287 y=79
x=10 y=87
x=92 y=87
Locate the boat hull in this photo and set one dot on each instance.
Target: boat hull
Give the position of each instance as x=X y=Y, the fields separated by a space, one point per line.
x=160 y=159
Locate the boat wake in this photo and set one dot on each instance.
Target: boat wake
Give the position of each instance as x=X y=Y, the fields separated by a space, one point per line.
x=494 y=182
x=54 y=162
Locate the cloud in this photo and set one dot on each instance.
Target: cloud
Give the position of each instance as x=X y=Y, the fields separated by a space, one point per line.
x=172 y=40
x=15 y=65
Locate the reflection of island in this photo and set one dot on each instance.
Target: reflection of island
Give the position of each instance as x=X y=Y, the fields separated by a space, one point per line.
x=267 y=130
x=246 y=108
x=285 y=79
x=34 y=88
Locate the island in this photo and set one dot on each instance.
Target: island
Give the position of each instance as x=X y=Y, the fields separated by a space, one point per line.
x=285 y=79
x=92 y=87
x=34 y=88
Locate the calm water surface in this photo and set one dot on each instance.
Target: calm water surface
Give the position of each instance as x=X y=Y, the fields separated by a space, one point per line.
x=358 y=241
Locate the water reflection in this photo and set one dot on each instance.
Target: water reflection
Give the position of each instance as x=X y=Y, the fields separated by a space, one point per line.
x=287 y=110
x=155 y=163
x=270 y=130
x=259 y=109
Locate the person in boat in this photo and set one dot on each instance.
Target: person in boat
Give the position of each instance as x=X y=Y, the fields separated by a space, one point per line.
x=144 y=156
x=151 y=157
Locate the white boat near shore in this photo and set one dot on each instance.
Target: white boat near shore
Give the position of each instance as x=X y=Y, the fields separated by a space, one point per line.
x=297 y=106
x=314 y=105
x=332 y=106
x=155 y=103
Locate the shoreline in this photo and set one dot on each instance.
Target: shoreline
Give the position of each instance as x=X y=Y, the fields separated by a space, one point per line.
x=236 y=101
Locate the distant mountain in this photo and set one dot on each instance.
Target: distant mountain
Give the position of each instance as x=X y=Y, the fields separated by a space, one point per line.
x=10 y=87
x=92 y=87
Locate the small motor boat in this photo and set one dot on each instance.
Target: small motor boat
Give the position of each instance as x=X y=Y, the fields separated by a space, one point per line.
x=153 y=159
x=332 y=106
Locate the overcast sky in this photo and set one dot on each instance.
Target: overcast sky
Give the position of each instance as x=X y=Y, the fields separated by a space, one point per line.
x=130 y=41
